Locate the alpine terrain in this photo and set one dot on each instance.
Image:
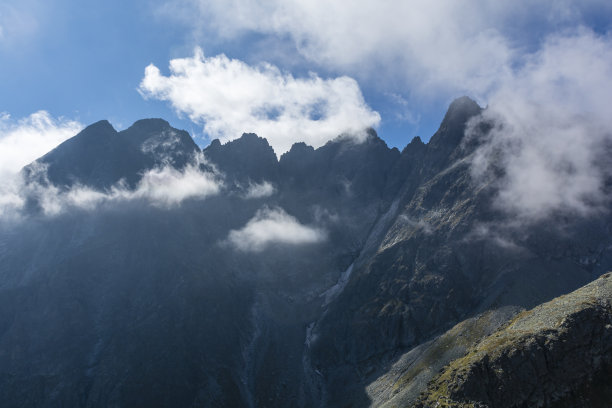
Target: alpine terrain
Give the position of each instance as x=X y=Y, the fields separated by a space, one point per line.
x=143 y=271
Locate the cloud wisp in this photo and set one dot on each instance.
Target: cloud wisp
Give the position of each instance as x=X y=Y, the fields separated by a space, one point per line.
x=230 y=97
x=21 y=142
x=552 y=130
x=259 y=190
x=164 y=187
x=273 y=226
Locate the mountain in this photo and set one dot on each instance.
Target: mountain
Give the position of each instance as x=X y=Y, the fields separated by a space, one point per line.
x=343 y=276
x=99 y=156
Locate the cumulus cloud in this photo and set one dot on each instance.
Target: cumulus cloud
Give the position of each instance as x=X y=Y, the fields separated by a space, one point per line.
x=552 y=130
x=272 y=226
x=24 y=140
x=230 y=97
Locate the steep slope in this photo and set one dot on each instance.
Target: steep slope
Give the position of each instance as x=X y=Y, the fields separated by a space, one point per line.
x=136 y=305
x=558 y=354
x=440 y=255
x=402 y=384
x=338 y=186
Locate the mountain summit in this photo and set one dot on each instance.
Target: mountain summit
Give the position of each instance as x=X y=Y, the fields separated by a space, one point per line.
x=99 y=156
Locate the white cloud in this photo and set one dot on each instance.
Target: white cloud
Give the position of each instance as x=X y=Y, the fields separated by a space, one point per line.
x=11 y=197
x=273 y=226
x=230 y=97
x=24 y=140
x=446 y=46
x=21 y=142
x=164 y=187
x=553 y=133
x=169 y=187
x=261 y=190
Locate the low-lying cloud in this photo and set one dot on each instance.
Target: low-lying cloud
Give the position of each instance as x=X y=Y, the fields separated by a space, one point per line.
x=552 y=134
x=271 y=226
x=230 y=97
x=164 y=187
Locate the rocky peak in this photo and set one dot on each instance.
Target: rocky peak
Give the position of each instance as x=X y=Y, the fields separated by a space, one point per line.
x=249 y=158
x=100 y=126
x=462 y=106
x=90 y=158
x=344 y=164
x=416 y=146
x=298 y=149
x=100 y=132
x=452 y=128
x=149 y=125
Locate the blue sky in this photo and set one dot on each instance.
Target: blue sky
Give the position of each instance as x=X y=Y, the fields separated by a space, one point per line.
x=85 y=61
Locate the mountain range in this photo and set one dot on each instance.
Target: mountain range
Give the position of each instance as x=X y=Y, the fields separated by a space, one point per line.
x=146 y=272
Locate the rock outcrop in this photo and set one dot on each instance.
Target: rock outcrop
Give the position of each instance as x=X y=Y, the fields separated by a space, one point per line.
x=558 y=354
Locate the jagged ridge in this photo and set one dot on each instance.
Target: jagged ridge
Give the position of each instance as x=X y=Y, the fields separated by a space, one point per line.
x=142 y=306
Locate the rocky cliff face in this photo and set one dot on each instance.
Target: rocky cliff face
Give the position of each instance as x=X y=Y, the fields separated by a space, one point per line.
x=404 y=268
x=558 y=354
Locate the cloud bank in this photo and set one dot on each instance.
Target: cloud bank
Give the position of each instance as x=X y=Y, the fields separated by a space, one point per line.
x=164 y=187
x=272 y=226
x=230 y=97
x=552 y=134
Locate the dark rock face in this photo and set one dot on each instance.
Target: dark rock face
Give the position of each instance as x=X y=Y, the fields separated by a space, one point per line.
x=249 y=158
x=556 y=355
x=136 y=305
